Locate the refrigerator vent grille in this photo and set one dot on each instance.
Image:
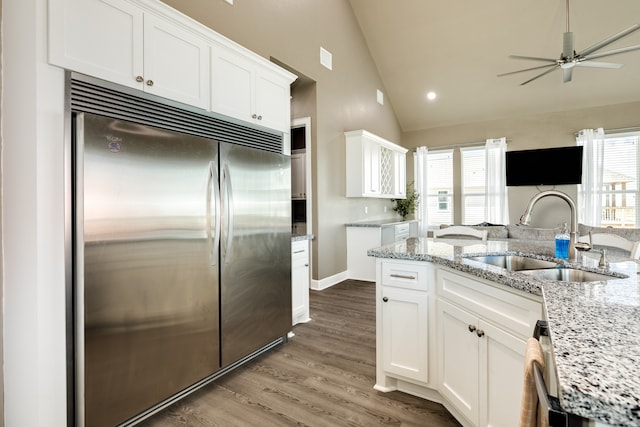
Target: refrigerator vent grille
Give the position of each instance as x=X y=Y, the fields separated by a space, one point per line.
x=122 y=103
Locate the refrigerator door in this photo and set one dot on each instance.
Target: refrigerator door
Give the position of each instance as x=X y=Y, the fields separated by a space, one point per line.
x=147 y=280
x=255 y=249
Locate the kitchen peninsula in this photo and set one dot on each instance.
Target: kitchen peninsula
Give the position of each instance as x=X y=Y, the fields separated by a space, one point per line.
x=594 y=326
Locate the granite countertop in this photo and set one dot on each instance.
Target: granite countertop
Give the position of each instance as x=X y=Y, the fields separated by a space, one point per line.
x=378 y=223
x=594 y=326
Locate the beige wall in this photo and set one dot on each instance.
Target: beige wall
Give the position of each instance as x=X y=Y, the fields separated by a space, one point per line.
x=1 y=257
x=543 y=130
x=292 y=32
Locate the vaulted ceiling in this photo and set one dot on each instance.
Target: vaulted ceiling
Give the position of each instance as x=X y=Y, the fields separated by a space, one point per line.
x=456 y=48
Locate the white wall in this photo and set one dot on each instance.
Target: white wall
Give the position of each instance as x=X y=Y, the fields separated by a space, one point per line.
x=32 y=221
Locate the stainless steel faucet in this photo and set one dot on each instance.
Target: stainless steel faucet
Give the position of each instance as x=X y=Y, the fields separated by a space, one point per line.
x=603 y=263
x=525 y=219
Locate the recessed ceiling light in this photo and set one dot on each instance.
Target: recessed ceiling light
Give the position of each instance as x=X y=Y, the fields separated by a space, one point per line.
x=431 y=96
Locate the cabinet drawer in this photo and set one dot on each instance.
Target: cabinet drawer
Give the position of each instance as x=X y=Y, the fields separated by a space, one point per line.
x=507 y=309
x=402 y=229
x=299 y=250
x=407 y=275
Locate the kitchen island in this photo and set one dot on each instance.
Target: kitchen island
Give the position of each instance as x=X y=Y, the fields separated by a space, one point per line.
x=594 y=326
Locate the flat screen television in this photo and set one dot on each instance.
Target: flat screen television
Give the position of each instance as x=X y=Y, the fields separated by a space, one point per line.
x=547 y=166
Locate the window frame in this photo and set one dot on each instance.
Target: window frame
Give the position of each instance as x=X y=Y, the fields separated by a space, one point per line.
x=611 y=193
x=464 y=194
x=435 y=195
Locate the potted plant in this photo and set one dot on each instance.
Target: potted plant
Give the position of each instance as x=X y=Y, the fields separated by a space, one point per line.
x=407 y=206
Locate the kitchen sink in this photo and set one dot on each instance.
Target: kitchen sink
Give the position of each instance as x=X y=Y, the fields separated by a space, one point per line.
x=567 y=275
x=514 y=262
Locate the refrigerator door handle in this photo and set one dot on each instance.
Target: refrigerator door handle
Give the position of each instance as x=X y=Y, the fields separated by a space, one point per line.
x=228 y=200
x=213 y=196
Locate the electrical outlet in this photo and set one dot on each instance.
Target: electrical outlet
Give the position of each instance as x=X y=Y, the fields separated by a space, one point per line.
x=385 y=209
x=366 y=209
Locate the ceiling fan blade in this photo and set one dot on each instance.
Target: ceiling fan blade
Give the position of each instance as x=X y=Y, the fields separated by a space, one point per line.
x=539 y=75
x=609 y=40
x=566 y=74
x=533 y=58
x=610 y=52
x=595 y=64
x=526 y=69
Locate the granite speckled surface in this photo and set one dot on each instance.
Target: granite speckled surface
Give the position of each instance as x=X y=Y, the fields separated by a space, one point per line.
x=377 y=223
x=594 y=326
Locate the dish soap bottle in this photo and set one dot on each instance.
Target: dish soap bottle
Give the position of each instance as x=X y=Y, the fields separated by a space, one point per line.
x=562 y=243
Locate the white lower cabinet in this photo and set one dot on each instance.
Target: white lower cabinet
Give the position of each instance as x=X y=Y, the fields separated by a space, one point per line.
x=405 y=333
x=482 y=333
x=405 y=323
x=480 y=367
x=299 y=281
x=453 y=338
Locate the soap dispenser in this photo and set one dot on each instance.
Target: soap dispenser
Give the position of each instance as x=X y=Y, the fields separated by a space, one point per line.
x=562 y=243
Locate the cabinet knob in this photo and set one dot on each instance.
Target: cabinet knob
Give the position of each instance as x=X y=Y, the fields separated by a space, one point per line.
x=139 y=79
x=254 y=116
x=385 y=299
x=149 y=82
x=480 y=333
x=471 y=328
x=306 y=265
x=259 y=117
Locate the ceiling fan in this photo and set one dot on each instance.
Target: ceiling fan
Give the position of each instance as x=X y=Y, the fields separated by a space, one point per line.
x=570 y=58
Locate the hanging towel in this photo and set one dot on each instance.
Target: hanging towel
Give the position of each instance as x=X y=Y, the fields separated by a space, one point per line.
x=530 y=413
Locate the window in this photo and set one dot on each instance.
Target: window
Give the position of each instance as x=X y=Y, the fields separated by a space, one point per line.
x=473 y=185
x=440 y=187
x=620 y=181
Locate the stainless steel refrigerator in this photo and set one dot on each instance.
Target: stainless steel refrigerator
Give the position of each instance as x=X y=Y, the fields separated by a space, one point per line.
x=182 y=258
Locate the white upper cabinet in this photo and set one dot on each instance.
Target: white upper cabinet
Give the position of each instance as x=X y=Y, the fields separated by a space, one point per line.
x=116 y=41
x=176 y=63
x=147 y=45
x=100 y=38
x=375 y=167
x=249 y=91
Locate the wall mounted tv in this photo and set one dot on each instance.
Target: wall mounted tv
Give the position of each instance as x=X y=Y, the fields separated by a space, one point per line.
x=548 y=166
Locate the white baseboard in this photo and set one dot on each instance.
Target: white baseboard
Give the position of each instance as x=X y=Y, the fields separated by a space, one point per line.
x=327 y=282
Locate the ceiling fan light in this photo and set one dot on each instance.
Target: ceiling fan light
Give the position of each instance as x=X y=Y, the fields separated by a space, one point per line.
x=567 y=65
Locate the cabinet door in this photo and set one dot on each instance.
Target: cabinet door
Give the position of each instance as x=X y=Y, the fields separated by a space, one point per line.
x=501 y=376
x=99 y=38
x=405 y=333
x=458 y=362
x=371 y=168
x=400 y=173
x=176 y=63
x=272 y=101
x=298 y=176
x=232 y=84
x=300 y=281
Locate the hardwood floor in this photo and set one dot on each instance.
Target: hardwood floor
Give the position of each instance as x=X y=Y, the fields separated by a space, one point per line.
x=323 y=376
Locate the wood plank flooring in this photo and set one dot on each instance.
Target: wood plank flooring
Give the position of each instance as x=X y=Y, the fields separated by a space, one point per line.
x=323 y=376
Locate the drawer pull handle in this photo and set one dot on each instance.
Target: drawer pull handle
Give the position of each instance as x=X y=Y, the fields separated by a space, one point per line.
x=385 y=299
x=471 y=328
x=298 y=252
x=403 y=276
x=480 y=333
